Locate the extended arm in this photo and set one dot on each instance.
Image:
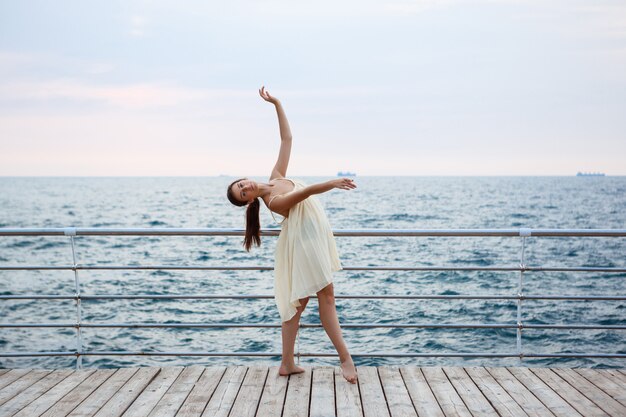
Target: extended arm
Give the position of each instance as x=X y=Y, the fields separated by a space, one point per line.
x=280 y=169
x=285 y=202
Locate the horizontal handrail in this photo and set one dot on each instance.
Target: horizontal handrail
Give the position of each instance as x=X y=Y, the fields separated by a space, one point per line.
x=338 y=296
x=174 y=231
x=322 y=354
x=345 y=268
x=317 y=325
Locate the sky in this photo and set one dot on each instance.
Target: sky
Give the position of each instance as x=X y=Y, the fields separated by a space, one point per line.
x=399 y=87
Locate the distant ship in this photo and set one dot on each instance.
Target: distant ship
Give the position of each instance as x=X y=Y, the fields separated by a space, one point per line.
x=346 y=174
x=590 y=174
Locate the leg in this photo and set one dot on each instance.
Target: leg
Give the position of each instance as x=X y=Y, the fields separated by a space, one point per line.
x=289 y=332
x=328 y=316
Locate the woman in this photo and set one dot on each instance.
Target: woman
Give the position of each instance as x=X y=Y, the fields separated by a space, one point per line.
x=306 y=255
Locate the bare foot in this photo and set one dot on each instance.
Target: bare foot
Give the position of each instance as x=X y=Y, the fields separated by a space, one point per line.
x=349 y=371
x=285 y=370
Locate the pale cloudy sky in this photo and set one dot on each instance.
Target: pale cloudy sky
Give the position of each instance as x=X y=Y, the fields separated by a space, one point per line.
x=401 y=87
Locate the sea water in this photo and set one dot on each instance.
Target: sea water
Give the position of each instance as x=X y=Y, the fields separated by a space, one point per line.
x=377 y=203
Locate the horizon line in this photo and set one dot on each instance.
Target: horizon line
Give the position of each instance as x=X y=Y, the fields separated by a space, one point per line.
x=304 y=175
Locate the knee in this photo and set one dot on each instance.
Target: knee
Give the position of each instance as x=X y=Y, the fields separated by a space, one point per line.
x=303 y=303
x=326 y=294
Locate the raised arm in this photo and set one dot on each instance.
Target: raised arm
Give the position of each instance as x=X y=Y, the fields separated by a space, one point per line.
x=280 y=169
x=285 y=202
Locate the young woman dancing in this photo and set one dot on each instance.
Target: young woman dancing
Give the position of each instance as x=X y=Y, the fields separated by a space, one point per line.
x=306 y=254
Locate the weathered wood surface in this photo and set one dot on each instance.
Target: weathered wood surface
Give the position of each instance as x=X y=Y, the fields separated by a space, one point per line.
x=198 y=391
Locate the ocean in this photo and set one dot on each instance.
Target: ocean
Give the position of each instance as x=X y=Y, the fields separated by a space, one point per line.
x=377 y=203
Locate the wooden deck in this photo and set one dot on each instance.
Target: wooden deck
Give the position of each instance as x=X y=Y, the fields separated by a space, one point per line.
x=320 y=391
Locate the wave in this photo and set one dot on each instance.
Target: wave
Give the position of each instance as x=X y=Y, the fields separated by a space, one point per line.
x=404 y=217
x=157 y=223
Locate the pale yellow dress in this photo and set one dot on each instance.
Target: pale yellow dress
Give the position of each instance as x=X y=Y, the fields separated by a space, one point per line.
x=306 y=254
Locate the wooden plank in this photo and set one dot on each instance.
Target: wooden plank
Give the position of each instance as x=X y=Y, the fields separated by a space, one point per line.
x=66 y=404
x=224 y=396
x=298 y=394
x=422 y=396
x=595 y=394
x=398 y=398
x=347 y=397
x=202 y=392
x=526 y=398
x=614 y=388
x=447 y=397
x=613 y=374
x=150 y=395
x=403 y=392
x=473 y=398
x=171 y=401
x=323 y=392
x=47 y=400
x=273 y=397
x=247 y=400
x=21 y=384
x=372 y=394
x=552 y=400
x=14 y=374
x=33 y=392
x=503 y=403
x=125 y=396
x=568 y=393
x=3 y=371
x=103 y=393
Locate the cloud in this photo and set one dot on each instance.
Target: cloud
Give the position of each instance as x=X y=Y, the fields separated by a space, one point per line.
x=415 y=6
x=18 y=66
x=138 y=26
x=133 y=96
x=13 y=62
x=272 y=9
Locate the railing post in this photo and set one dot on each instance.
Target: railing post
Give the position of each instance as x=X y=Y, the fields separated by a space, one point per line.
x=71 y=232
x=524 y=233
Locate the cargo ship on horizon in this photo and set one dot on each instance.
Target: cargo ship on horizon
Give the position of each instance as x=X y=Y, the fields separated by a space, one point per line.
x=590 y=174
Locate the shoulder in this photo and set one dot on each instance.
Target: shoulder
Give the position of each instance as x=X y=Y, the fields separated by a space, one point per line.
x=276 y=175
x=278 y=178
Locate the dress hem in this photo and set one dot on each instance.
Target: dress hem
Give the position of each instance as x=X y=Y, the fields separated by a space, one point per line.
x=312 y=291
x=309 y=293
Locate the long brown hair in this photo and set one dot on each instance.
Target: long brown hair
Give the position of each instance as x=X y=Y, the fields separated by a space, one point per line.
x=253 y=223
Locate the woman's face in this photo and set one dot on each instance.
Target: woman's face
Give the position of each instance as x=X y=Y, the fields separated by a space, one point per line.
x=245 y=190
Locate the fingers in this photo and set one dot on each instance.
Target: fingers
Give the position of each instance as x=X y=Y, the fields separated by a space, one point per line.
x=265 y=94
x=347 y=184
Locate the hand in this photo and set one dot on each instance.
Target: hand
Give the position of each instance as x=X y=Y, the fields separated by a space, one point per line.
x=266 y=96
x=343 y=183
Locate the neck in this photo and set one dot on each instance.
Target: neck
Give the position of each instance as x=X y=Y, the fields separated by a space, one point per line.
x=264 y=189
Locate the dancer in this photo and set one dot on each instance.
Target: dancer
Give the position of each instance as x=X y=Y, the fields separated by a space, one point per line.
x=306 y=254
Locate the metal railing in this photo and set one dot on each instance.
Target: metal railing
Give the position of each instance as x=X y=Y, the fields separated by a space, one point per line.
x=519 y=325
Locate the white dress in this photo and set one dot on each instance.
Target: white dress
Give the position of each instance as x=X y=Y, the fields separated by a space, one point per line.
x=306 y=254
